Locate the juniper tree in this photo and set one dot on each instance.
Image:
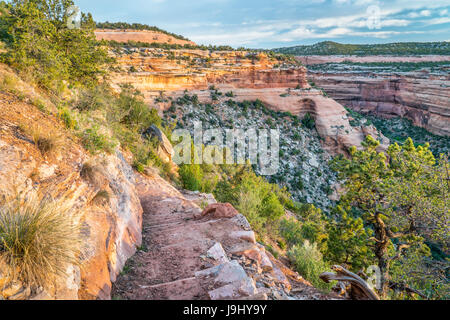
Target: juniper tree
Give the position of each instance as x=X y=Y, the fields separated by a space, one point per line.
x=402 y=196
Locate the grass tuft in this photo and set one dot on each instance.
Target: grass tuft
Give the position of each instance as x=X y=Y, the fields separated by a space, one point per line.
x=39 y=238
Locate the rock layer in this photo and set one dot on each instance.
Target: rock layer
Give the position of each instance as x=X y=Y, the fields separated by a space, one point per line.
x=422 y=98
x=111 y=229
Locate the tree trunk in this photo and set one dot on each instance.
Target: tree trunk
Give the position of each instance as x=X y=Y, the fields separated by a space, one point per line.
x=381 y=245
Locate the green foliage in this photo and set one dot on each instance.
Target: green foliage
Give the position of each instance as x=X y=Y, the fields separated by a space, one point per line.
x=67 y=118
x=191 y=177
x=402 y=48
x=348 y=241
x=136 y=26
x=403 y=199
x=260 y=201
x=134 y=112
x=308 y=261
x=95 y=141
x=308 y=121
x=39 y=42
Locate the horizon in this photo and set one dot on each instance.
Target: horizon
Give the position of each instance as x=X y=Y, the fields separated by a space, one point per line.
x=267 y=25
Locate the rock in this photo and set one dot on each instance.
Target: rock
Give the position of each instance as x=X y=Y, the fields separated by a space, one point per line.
x=244 y=287
x=257 y=297
x=217 y=253
x=265 y=262
x=12 y=289
x=165 y=149
x=225 y=273
x=416 y=97
x=23 y=294
x=244 y=235
x=248 y=250
x=242 y=221
x=220 y=210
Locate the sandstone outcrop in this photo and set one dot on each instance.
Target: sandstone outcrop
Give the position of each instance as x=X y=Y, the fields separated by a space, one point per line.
x=156 y=70
x=163 y=75
x=111 y=229
x=165 y=149
x=420 y=97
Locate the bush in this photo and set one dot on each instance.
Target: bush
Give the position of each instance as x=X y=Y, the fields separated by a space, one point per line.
x=38 y=239
x=98 y=98
x=94 y=141
x=308 y=261
x=39 y=43
x=135 y=112
x=308 y=121
x=291 y=231
x=69 y=120
x=191 y=177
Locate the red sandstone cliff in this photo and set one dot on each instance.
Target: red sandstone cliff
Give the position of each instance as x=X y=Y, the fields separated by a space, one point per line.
x=419 y=97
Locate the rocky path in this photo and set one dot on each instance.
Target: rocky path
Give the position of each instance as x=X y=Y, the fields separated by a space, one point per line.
x=184 y=256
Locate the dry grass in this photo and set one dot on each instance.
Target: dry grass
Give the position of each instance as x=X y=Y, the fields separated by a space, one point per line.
x=101 y=197
x=39 y=238
x=47 y=141
x=92 y=173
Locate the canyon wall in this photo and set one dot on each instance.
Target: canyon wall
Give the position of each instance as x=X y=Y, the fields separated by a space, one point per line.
x=280 y=85
x=311 y=60
x=155 y=70
x=111 y=225
x=420 y=97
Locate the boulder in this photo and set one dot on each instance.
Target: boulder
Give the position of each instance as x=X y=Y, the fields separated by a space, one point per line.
x=243 y=288
x=220 y=210
x=217 y=253
x=165 y=149
x=244 y=235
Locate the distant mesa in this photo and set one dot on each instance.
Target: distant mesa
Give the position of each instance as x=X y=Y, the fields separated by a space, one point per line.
x=124 y=32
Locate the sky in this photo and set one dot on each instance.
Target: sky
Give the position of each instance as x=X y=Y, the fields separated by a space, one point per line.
x=281 y=23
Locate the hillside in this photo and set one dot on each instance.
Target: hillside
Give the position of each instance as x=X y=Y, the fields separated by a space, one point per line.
x=125 y=32
x=395 y=49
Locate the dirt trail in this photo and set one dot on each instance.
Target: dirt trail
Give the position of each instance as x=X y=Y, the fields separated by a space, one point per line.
x=173 y=263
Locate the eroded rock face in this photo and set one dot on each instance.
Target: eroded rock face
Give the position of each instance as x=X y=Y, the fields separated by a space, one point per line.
x=156 y=70
x=422 y=98
x=111 y=229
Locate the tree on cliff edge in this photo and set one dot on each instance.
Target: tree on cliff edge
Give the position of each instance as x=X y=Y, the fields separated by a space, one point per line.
x=403 y=199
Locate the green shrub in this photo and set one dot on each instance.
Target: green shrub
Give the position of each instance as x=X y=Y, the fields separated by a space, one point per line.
x=191 y=177
x=308 y=261
x=98 y=98
x=94 y=141
x=38 y=239
x=135 y=112
x=69 y=120
x=291 y=231
x=308 y=121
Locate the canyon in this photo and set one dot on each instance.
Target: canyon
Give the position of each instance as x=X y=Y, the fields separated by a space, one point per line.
x=164 y=75
x=422 y=96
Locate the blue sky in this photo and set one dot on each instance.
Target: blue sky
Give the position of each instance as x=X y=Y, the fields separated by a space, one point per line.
x=280 y=23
